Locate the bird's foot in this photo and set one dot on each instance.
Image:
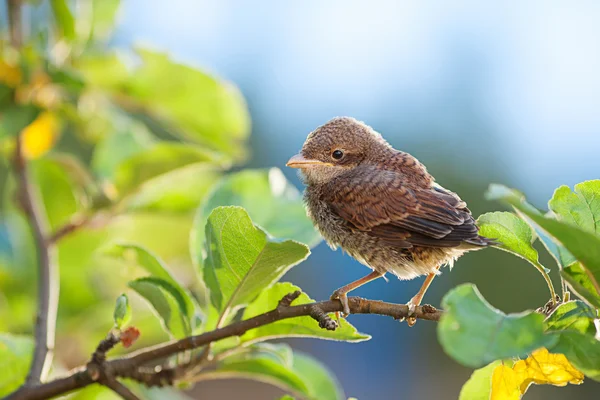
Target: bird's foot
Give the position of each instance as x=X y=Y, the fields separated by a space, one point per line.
x=343 y=298
x=411 y=320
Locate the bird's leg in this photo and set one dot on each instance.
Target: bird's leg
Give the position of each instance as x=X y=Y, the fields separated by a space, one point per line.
x=417 y=298
x=341 y=293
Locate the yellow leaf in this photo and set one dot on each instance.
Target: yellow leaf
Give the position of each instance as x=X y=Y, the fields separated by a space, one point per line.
x=505 y=384
x=544 y=368
x=541 y=368
x=39 y=136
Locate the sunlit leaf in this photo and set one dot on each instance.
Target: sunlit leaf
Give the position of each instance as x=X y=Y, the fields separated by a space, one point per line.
x=104 y=70
x=572 y=315
x=104 y=13
x=514 y=234
x=579 y=208
x=242 y=260
x=122 y=313
x=295 y=327
x=10 y=74
x=475 y=334
x=15 y=357
x=321 y=382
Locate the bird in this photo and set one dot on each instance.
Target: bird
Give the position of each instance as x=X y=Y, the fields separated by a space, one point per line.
x=382 y=207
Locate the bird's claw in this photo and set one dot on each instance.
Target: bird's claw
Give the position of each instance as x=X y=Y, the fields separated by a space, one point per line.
x=411 y=320
x=343 y=298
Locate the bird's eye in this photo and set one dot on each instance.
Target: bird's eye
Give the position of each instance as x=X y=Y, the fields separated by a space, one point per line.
x=337 y=154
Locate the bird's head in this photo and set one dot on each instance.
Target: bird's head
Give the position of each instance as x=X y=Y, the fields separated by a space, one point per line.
x=335 y=148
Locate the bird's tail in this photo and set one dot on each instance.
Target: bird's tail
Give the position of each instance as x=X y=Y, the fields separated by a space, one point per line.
x=481 y=241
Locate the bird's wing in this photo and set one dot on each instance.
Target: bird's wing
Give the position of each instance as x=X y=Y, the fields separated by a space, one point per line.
x=385 y=205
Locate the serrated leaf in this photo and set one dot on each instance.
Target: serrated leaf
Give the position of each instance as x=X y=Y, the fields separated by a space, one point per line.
x=514 y=234
x=266 y=195
x=122 y=313
x=479 y=385
x=579 y=208
x=475 y=334
x=584 y=245
x=158 y=159
x=298 y=373
x=168 y=303
x=15 y=358
x=295 y=327
x=572 y=315
x=242 y=260
x=137 y=255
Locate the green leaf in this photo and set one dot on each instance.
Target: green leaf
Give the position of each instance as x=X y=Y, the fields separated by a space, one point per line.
x=580 y=208
x=64 y=18
x=118 y=146
x=15 y=357
x=583 y=245
x=193 y=105
x=583 y=351
x=572 y=315
x=303 y=376
x=479 y=385
x=159 y=159
x=242 y=260
x=15 y=118
x=295 y=327
x=180 y=190
x=104 y=14
x=475 y=334
x=143 y=258
x=580 y=283
x=514 y=234
x=321 y=382
x=168 y=303
x=122 y=313
x=266 y=195
x=103 y=70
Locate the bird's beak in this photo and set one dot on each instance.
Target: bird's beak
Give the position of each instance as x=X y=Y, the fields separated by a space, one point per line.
x=298 y=161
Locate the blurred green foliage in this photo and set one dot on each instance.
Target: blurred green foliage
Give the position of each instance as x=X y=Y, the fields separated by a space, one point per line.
x=129 y=155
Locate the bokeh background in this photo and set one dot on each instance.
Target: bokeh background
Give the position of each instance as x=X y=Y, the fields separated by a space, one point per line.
x=479 y=92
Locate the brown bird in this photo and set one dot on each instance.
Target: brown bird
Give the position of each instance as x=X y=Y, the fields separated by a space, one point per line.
x=381 y=206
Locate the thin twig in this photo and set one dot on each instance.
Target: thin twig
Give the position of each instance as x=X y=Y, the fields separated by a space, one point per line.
x=119 y=389
x=68 y=228
x=129 y=365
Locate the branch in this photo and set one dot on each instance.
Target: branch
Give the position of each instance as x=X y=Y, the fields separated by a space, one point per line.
x=130 y=366
x=120 y=389
x=48 y=275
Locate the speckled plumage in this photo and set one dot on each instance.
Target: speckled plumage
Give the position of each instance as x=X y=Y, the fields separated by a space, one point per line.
x=380 y=205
